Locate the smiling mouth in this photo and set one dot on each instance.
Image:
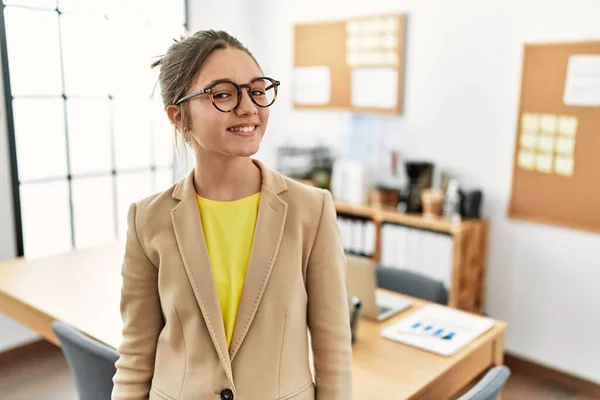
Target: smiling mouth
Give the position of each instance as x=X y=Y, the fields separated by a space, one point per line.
x=244 y=129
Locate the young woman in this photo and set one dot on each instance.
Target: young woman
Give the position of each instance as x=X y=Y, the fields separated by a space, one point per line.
x=226 y=272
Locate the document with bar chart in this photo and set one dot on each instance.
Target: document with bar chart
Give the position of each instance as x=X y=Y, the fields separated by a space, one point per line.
x=438 y=329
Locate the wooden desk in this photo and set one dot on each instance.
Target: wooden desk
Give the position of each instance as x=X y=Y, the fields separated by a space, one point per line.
x=83 y=288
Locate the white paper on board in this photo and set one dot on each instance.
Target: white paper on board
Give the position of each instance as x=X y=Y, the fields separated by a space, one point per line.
x=312 y=85
x=374 y=87
x=582 y=86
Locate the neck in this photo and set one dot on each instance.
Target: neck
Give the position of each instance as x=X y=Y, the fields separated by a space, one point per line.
x=225 y=178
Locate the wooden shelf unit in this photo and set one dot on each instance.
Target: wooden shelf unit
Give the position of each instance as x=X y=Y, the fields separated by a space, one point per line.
x=467 y=290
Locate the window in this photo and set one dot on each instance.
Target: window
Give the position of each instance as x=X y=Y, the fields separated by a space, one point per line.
x=87 y=131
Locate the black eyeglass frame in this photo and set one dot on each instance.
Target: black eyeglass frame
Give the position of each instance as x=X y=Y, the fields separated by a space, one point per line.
x=248 y=86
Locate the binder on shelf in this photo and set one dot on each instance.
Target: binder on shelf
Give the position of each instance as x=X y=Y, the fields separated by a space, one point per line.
x=358 y=235
x=370 y=237
x=417 y=250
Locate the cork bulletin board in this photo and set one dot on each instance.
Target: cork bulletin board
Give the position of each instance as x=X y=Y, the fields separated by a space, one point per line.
x=556 y=168
x=351 y=65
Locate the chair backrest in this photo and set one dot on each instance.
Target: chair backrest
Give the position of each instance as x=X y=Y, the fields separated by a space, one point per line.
x=91 y=362
x=412 y=284
x=490 y=386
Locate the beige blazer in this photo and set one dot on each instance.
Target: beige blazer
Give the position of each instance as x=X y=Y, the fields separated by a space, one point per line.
x=174 y=344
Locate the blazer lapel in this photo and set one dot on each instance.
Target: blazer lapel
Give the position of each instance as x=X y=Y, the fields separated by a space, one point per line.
x=272 y=211
x=192 y=245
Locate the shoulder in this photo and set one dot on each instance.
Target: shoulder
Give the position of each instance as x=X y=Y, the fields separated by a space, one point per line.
x=154 y=208
x=302 y=193
x=305 y=200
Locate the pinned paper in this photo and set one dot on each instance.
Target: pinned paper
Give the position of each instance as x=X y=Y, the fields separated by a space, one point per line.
x=549 y=124
x=545 y=143
x=312 y=85
x=564 y=165
x=565 y=145
x=528 y=140
x=530 y=122
x=374 y=87
x=582 y=85
x=567 y=125
x=543 y=163
x=526 y=159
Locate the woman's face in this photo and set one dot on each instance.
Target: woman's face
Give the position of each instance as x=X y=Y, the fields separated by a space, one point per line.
x=236 y=133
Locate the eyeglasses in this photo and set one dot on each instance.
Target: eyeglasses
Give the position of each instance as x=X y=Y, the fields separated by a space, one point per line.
x=226 y=95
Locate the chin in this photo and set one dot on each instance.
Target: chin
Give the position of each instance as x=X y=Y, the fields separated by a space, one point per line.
x=246 y=148
x=248 y=151
x=241 y=149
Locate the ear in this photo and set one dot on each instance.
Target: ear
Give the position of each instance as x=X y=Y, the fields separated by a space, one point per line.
x=174 y=114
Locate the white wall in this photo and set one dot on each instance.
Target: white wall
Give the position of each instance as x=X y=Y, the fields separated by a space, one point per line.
x=11 y=333
x=462 y=87
x=234 y=16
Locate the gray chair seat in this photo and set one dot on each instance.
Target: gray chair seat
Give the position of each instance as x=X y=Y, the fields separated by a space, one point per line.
x=412 y=284
x=91 y=363
x=490 y=386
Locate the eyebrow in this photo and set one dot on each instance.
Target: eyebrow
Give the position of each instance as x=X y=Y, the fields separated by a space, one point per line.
x=221 y=80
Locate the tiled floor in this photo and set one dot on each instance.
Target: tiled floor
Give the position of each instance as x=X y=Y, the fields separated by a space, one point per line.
x=46 y=376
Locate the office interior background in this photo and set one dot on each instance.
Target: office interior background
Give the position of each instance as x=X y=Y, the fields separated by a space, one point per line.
x=100 y=140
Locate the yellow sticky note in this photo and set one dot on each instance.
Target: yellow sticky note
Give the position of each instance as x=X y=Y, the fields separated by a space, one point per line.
x=352 y=27
x=528 y=140
x=563 y=165
x=391 y=24
x=565 y=146
x=543 y=163
x=567 y=125
x=370 y=25
x=526 y=159
x=352 y=44
x=530 y=122
x=352 y=58
x=393 y=58
x=390 y=41
x=548 y=124
x=545 y=143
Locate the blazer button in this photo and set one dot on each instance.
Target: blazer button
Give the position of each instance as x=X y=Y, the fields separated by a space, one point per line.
x=226 y=394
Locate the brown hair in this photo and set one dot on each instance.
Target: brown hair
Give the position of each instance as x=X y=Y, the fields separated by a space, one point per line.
x=182 y=62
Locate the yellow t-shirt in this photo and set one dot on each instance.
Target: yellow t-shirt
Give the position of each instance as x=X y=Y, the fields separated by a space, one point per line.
x=229 y=231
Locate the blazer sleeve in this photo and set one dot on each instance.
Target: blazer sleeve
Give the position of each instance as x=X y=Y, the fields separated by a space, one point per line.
x=142 y=320
x=328 y=309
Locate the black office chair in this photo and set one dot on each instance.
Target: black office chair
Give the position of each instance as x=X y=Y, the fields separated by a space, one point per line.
x=412 y=284
x=92 y=363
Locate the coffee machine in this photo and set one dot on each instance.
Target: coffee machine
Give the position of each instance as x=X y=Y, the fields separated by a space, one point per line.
x=420 y=175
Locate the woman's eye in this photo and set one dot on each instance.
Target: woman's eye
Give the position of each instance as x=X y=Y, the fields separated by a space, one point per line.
x=221 y=95
x=258 y=93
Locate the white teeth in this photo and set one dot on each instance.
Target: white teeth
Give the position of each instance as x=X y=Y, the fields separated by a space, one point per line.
x=243 y=129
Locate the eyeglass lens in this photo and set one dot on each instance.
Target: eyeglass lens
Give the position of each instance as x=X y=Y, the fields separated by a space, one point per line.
x=225 y=95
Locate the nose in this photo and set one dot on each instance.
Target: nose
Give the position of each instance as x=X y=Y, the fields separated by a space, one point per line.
x=246 y=106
